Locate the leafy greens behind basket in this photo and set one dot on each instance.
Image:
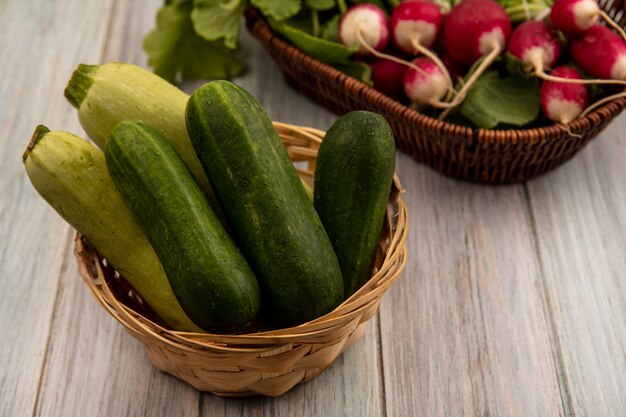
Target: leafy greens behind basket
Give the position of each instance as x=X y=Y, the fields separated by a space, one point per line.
x=198 y=39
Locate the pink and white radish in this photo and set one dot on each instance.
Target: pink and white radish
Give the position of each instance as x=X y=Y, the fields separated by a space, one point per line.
x=536 y=45
x=426 y=87
x=575 y=17
x=475 y=29
x=415 y=26
x=563 y=102
x=365 y=26
x=601 y=53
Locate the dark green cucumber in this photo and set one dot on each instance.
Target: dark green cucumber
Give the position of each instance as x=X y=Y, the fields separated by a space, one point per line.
x=210 y=278
x=272 y=220
x=353 y=178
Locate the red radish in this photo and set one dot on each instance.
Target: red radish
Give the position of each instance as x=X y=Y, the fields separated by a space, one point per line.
x=563 y=102
x=601 y=53
x=575 y=17
x=415 y=26
x=366 y=27
x=475 y=28
x=387 y=77
x=535 y=44
x=416 y=22
x=538 y=47
x=427 y=87
x=455 y=69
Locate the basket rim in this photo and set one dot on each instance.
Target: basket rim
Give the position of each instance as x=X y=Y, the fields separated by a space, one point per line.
x=257 y=24
x=338 y=320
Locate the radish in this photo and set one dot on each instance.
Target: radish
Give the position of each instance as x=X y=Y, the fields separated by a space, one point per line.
x=475 y=29
x=366 y=27
x=536 y=45
x=416 y=24
x=455 y=69
x=426 y=87
x=562 y=102
x=387 y=77
x=575 y=17
x=601 y=53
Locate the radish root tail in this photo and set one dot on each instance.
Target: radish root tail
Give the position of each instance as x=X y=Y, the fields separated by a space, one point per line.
x=612 y=23
x=359 y=36
x=364 y=44
x=567 y=130
x=495 y=52
x=540 y=73
x=415 y=43
x=598 y=103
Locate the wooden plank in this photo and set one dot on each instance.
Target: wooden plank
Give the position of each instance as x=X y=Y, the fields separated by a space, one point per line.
x=39 y=48
x=463 y=331
x=350 y=387
x=580 y=222
x=95 y=368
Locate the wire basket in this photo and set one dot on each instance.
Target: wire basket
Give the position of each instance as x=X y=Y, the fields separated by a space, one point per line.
x=481 y=155
x=267 y=362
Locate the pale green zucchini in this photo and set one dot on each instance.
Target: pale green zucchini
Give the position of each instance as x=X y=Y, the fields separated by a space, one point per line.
x=71 y=175
x=108 y=94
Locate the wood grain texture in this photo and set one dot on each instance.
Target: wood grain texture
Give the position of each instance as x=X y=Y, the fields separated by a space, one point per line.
x=95 y=368
x=350 y=387
x=463 y=332
x=580 y=220
x=38 y=51
x=513 y=301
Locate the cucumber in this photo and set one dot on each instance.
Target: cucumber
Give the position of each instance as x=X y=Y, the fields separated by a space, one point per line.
x=212 y=281
x=272 y=220
x=353 y=178
x=71 y=175
x=107 y=94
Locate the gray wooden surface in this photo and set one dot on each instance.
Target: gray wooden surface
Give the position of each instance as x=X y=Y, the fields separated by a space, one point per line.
x=512 y=303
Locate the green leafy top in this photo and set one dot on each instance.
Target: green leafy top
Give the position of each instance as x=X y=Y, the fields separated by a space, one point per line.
x=277 y=9
x=215 y=19
x=174 y=47
x=495 y=100
x=327 y=51
x=321 y=4
x=199 y=38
